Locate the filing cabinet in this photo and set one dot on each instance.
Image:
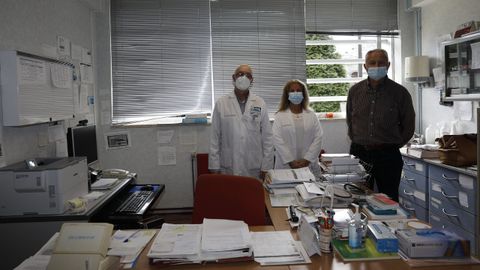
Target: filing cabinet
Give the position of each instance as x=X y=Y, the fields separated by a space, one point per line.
x=453 y=201
x=413 y=189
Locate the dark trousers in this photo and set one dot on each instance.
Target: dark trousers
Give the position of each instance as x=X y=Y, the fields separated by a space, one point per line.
x=386 y=168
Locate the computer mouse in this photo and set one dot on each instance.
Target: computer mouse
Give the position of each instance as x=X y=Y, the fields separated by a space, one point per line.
x=147 y=187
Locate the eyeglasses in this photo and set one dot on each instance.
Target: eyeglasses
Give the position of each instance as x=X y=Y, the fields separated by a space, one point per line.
x=240 y=74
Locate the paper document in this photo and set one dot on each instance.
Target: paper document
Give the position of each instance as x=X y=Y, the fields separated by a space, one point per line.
x=92 y=196
x=129 y=244
x=104 y=183
x=282 y=200
x=278 y=243
x=180 y=241
x=222 y=235
x=290 y=175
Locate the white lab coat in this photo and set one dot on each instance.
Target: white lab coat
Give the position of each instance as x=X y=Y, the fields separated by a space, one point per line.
x=241 y=144
x=285 y=142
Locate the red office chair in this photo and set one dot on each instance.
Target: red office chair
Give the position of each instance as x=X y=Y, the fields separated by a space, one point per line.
x=229 y=197
x=202 y=163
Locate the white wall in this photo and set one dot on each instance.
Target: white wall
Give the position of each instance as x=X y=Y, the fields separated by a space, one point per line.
x=141 y=157
x=442 y=17
x=29 y=26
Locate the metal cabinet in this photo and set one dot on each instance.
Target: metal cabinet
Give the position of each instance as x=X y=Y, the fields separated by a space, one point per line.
x=453 y=201
x=413 y=189
x=462 y=71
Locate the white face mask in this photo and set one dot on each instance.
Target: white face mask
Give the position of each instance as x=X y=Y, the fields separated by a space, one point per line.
x=242 y=83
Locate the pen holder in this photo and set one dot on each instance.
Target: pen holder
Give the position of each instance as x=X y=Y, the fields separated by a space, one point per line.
x=325 y=240
x=325 y=226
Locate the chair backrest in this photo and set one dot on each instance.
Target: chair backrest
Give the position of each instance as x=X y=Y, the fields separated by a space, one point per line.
x=202 y=163
x=229 y=197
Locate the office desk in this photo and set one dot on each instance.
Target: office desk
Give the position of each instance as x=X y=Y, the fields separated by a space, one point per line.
x=279 y=218
x=22 y=236
x=143 y=263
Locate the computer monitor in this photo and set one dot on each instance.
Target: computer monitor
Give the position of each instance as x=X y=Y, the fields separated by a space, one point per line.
x=82 y=141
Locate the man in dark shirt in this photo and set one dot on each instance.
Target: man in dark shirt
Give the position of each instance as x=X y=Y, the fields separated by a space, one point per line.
x=381 y=119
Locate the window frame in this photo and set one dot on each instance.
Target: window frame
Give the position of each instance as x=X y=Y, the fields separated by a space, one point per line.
x=350 y=61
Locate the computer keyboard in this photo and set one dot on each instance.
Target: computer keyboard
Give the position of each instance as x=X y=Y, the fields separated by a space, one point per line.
x=136 y=201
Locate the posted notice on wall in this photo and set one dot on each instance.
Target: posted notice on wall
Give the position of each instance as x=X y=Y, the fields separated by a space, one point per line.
x=167 y=155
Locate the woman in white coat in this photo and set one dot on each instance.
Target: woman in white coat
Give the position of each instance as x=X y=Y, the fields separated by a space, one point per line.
x=297 y=134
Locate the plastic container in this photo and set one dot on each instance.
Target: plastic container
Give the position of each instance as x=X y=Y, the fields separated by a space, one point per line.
x=430 y=135
x=356 y=230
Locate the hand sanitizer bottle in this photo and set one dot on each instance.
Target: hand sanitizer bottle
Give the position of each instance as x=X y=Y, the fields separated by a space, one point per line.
x=356 y=230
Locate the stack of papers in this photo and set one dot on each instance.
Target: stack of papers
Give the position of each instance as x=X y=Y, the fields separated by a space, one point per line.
x=313 y=195
x=177 y=243
x=282 y=197
x=214 y=240
x=104 y=183
x=129 y=244
x=225 y=239
x=277 y=248
x=340 y=168
x=424 y=150
x=284 y=178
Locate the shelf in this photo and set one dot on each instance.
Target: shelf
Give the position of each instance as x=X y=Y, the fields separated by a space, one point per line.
x=465 y=97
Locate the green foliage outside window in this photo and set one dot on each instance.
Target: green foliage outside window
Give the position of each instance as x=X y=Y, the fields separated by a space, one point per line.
x=325 y=71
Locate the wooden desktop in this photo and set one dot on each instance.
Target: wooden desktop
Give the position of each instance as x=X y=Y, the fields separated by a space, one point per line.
x=278 y=217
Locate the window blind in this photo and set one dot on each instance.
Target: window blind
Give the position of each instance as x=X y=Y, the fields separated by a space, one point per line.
x=269 y=35
x=351 y=15
x=161 y=58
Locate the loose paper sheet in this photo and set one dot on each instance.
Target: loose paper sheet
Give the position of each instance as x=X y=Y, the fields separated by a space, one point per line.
x=32 y=71
x=475 y=55
x=463 y=110
x=56 y=133
x=165 y=136
x=167 y=155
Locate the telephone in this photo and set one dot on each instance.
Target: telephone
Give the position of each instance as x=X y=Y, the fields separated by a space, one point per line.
x=115 y=173
x=83 y=246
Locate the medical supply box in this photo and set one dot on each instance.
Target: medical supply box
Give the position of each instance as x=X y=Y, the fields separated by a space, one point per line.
x=384 y=239
x=431 y=243
x=42 y=185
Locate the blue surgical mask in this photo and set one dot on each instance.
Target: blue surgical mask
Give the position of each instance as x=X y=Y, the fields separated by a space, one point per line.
x=295 y=97
x=376 y=73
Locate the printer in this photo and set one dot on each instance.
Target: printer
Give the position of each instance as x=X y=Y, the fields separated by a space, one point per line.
x=42 y=185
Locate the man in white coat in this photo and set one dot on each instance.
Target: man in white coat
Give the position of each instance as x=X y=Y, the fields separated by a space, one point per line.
x=241 y=135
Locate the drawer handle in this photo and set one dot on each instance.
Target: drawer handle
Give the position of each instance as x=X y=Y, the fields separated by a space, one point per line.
x=447 y=214
x=448 y=196
x=449 y=178
x=409 y=179
x=409 y=164
x=406 y=193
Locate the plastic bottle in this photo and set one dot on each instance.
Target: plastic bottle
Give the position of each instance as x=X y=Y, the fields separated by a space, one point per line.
x=429 y=135
x=356 y=230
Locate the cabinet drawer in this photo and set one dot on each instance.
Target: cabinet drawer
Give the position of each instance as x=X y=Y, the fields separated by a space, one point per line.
x=415 y=165
x=456 y=179
x=451 y=213
x=411 y=194
x=414 y=209
x=437 y=221
x=457 y=197
x=416 y=181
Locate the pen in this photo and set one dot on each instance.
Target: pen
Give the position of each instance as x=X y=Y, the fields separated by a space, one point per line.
x=131 y=236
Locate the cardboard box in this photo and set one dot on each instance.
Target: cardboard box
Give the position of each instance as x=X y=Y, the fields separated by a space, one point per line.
x=431 y=243
x=384 y=239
